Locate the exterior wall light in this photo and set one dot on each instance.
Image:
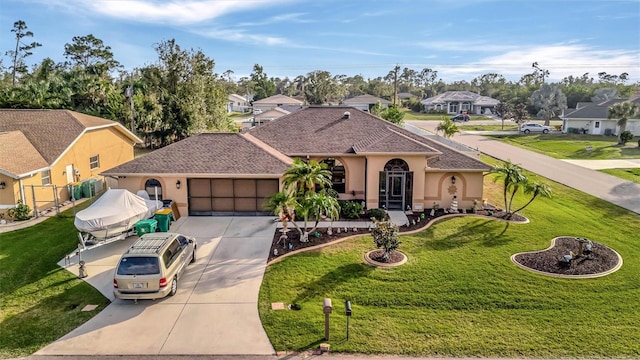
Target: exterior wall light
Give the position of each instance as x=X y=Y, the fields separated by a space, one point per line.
x=453 y=179
x=2 y=185
x=178 y=184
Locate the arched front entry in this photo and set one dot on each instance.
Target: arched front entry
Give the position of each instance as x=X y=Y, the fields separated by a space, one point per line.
x=396 y=186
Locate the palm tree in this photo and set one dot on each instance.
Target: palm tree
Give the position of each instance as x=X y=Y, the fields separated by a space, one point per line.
x=512 y=178
x=301 y=176
x=622 y=111
x=535 y=189
x=315 y=205
x=448 y=128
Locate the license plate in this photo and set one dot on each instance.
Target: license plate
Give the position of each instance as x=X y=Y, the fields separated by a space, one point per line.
x=138 y=285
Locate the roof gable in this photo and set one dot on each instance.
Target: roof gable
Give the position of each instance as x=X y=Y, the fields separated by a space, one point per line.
x=206 y=154
x=278 y=99
x=597 y=111
x=15 y=162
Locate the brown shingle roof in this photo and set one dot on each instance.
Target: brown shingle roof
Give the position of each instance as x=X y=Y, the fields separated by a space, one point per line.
x=205 y=154
x=17 y=155
x=326 y=131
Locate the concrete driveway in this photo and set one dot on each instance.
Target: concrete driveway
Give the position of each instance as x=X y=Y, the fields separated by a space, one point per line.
x=215 y=311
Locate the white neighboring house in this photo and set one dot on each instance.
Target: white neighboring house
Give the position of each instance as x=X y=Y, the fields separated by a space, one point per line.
x=365 y=102
x=455 y=102
x=274 y=101
x=237 y=103
x=593 y=119
x=269 y=115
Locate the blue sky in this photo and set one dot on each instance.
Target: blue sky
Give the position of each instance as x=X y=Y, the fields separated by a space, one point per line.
x=461 y=39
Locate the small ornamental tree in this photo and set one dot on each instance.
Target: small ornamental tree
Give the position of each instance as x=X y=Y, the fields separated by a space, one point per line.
x=385 y=236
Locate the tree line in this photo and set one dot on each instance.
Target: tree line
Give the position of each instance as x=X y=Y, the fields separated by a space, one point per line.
x=180 y=93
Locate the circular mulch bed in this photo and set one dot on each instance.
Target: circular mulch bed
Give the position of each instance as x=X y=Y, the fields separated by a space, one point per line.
x=602 y=260
x=396 y=258
x=417 y=220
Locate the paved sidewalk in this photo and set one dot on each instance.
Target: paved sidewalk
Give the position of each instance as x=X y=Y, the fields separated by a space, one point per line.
x=617 y=191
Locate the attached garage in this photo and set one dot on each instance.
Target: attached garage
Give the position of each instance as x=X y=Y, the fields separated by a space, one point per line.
x=228 y=196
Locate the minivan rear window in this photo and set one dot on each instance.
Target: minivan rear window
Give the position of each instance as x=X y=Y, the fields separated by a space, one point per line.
x=138 y=265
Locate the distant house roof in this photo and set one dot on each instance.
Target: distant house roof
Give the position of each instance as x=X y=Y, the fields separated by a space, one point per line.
x=366 y=99
x=236 y=98
x=406 y=95
x=49 y=132
x=206 y=154
x=278 y=100
x=597 y=111
x=460 y=96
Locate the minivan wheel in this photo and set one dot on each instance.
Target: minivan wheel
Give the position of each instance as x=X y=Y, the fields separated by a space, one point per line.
x=174 y=287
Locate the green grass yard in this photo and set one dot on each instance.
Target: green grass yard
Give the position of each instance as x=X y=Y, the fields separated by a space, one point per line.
x=39 y=301
x=508 y=126
x=460 y=295
x=572 y=146
x=627 y=174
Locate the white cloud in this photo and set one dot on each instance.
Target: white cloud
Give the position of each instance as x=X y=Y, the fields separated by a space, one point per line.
x=292 y=17
x=238 y=35
x=174 y=12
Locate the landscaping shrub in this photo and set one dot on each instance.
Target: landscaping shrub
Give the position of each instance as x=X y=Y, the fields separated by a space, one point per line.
x=625 y=136
x=20 y=212
x=377 y=214
x=350 y=209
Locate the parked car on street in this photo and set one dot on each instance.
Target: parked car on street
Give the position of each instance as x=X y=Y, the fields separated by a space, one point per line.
x=460 y=117
x=533 y=127
x=152 y=266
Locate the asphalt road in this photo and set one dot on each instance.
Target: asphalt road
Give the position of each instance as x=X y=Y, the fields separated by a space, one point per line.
x=617 y=191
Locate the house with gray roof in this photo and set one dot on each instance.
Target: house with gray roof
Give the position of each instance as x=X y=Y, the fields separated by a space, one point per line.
x=274 y=101
x=371 y=160
x=457 y=102
x=365 y=102
x=592 y=118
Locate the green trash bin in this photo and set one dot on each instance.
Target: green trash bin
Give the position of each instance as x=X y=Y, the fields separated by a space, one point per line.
x=145 y=226
x=164 y=219
x=76 y=190
x=88 y=188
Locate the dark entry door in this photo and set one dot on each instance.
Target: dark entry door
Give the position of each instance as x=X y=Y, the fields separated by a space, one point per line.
x=395 y=191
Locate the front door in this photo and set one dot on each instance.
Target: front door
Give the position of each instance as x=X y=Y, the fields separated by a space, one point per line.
x=596 y=128
x=69 y=172
x=395 y=191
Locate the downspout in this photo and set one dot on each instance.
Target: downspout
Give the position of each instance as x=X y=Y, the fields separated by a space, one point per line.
x=366 y=172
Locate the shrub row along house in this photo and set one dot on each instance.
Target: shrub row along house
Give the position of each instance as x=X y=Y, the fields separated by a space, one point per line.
x=43 y=151
x=371 y=161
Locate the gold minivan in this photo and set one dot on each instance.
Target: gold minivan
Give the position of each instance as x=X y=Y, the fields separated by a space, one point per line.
x=152 y=266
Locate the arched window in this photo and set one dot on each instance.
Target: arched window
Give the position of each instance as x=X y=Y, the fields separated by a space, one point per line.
x=396 y=165
x=466 y=106
x=338 y=174
x=153 y=187
x=453 y=107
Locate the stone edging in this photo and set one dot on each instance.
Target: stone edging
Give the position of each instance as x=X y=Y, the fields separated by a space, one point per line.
x=368 y=259
x=429 y=223
x=586 y=276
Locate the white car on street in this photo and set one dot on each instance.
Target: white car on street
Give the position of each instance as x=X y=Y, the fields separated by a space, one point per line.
x=533 y=127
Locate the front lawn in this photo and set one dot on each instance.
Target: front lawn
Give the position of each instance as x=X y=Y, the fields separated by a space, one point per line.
x=627 y=174
x=39 y=301
x=460 y=295
x=473 y=127
x=573 y=146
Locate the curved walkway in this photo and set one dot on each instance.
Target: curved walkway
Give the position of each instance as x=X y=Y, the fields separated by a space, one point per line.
x=617 y=191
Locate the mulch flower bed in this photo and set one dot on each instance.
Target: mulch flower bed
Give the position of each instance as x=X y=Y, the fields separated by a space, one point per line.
x=600 y=260
x=417 y=220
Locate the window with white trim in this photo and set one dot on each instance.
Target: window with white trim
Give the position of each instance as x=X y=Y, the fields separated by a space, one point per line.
x=94 y=162
x=46 y=177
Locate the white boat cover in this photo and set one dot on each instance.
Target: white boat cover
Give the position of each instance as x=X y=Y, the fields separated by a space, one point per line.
x=116 y=208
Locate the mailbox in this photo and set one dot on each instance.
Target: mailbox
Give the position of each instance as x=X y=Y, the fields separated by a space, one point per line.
x=327 y=308
x=347 y=307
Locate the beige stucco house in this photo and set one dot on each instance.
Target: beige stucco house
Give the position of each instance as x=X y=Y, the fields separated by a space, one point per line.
x=457 y=102
x=42 y=151
x=371 y=160
x=365 y=102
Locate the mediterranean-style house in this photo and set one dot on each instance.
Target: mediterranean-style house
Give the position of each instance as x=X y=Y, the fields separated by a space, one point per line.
x=592 y=118
x=371 y=161
x=456 y=102
x=274 y=101
x=365 y=102
x=43 y=151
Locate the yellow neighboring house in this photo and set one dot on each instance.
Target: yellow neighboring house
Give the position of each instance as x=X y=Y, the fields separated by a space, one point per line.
x=43 y=151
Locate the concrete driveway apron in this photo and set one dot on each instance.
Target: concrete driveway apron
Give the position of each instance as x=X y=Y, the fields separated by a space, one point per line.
x=215 y=311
